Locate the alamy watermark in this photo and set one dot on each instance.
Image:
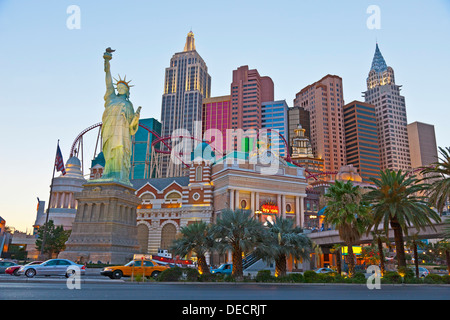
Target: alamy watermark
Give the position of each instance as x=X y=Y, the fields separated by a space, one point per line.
x=74 y=19
x=374 y=280
x=374 y=20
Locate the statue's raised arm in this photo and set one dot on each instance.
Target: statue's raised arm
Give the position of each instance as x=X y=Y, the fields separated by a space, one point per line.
x=107 y=56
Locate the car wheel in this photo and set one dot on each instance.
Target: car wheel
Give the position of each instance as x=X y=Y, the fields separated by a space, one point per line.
x=70 y=273
x=30 y=273
x=117 y=274
x=155 y=274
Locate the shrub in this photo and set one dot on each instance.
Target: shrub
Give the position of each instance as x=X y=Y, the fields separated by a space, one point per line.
x=433 y=279
x=359 y=277
x=310 y=276
x=171 y=274
x=296 y=277
x=264 y=276
x=191 y=274
x=446 y=279
x=392 y=277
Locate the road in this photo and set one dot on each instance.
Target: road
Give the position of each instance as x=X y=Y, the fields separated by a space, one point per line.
x=90 y=289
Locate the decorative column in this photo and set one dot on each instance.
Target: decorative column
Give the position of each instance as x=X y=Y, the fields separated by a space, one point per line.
x=297 y=211
x=283 y=206
x=279 y=203
x=302 y=211
x=236 y=199
x=252 y=202
x=231 y=199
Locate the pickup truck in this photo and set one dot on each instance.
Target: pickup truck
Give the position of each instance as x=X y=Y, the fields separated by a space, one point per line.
x=225 y=268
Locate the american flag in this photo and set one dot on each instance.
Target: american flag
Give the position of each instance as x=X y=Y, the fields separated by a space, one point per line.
x=59 y=162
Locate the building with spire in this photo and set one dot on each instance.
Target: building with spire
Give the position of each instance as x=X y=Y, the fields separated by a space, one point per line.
x=303 y=155
x=186 y=84
x=390 y=109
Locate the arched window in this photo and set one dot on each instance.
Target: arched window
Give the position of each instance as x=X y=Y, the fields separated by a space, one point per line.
x=142 y=236
x=168 y=234
x=198 y=174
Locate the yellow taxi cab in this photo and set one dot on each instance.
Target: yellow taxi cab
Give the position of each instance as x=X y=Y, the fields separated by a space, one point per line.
x=142 y=267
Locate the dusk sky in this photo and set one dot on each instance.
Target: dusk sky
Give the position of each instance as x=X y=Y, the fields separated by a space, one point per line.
x=52 y=78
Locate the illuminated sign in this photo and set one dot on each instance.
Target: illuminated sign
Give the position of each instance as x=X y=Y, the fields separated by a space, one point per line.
x=269 y=208
x=356 y=250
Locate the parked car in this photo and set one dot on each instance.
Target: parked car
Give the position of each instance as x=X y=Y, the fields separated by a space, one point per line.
x=324 y=270
x=226 y=268
x=423 y=272
x=52 y=267
x=150 y=268
x=14 y=270
x=6 y=264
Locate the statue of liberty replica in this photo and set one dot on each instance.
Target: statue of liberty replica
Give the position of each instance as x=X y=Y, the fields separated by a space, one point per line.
x=104 y=229
x=120 y=122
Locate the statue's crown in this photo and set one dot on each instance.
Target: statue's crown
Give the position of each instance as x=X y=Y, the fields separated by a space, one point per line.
x=124 y=81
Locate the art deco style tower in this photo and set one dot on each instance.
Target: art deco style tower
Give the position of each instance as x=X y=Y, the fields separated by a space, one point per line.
x=384 y=94
x=187 y=82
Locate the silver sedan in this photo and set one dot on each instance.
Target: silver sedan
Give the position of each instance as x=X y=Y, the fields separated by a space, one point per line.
x=53 y=267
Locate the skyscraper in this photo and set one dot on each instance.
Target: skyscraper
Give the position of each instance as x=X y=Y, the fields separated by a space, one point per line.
x=216 y=115
x=248 y=91
x=274 y=115
x=384 y=94
x=361 y=139
x=324 y=100
x=186 y=83
x=422 y=144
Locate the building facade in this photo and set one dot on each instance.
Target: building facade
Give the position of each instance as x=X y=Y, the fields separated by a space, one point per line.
x=384 y=94
x=248 y=91
x=232 y=182
x=216 y=120
x=141 y=149
x=361 y=139
x=274 y=116
x=324 y=100
x=422 y=144
x=186 y=84
x=298 y=116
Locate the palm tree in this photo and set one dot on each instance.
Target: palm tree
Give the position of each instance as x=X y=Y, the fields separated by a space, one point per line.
x=396 y=202
x=282 y=240
x=238 y=231
x=438 y=174
x=443 y=246
x=412 y=243
x=195 y=237
x=347 y=211
x=378 y=239
x=336 y=249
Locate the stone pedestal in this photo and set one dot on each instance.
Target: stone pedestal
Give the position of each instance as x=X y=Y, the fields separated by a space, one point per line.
x=104 y=228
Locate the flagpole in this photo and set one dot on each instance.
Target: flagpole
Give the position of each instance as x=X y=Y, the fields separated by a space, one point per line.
x=49 y=202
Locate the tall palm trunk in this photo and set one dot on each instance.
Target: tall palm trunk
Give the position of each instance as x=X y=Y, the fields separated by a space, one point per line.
x=280 y=266
x=351 y=261
x=338 y=261
x=202 y=265
x=237 y=263
x=399 y=243
x=380 y=250
x=416 y=258
x=447 y=256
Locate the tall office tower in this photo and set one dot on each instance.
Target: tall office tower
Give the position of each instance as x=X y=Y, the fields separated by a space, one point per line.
x=422 y=144
x=324 y=100
x=361 y=139
x=298 y=116
x=274 y=115
x=216 y=116
x=186 y=83
x=248 y=91
x=384 y=94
